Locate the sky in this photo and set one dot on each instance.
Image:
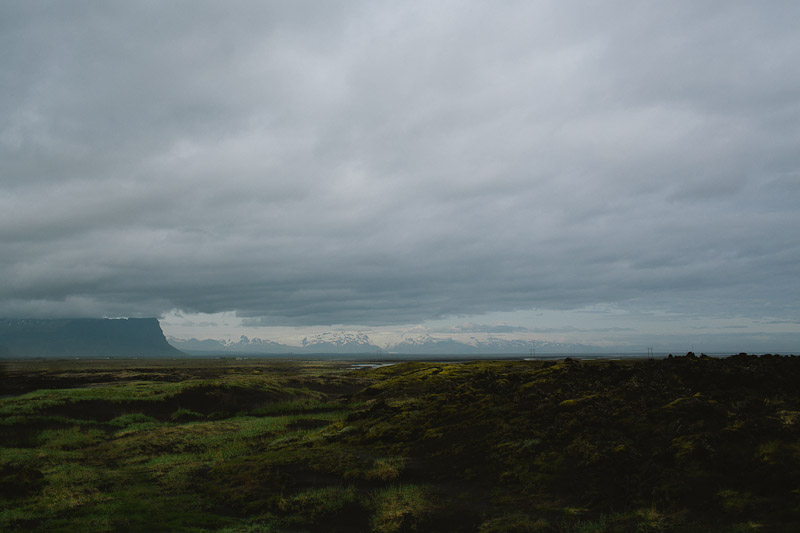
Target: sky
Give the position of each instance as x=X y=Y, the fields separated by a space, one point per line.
x=619 y=173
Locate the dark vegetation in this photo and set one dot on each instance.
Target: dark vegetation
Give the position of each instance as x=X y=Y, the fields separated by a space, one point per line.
x=679 y=444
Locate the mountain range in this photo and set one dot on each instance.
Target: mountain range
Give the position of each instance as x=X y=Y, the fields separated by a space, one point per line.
x=142 y=337
x=360 y=343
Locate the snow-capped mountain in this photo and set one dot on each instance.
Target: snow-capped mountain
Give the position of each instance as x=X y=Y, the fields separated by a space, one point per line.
x=244 y=345
x=360 y=343
x=498 y=345
x=335 y=342
x=339 y=342
x=428 y=344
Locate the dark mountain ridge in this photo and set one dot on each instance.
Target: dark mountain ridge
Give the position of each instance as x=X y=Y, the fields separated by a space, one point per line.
x=84 y=337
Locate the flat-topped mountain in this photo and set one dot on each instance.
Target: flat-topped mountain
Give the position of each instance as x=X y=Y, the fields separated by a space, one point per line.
x=84 y=337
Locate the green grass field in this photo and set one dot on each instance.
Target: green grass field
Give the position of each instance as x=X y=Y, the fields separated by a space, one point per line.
x=684 y=444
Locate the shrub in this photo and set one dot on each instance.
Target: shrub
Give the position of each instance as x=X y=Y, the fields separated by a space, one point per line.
x=185 y=415
x=401 y=508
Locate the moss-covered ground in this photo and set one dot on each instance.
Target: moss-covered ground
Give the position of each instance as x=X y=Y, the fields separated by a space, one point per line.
x=679 y=444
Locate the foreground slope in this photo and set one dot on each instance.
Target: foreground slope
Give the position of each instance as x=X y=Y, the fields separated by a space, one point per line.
x=685 y=443
x=697 y=439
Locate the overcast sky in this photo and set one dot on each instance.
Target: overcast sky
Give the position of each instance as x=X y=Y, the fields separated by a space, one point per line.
x=608 y=172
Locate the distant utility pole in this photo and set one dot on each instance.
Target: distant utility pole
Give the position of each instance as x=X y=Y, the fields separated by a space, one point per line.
x=533 y=354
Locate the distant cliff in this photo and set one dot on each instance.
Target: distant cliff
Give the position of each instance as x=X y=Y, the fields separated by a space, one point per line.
x=84 y=337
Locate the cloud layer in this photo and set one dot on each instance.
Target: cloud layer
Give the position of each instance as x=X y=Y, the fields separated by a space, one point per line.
x=376 y=163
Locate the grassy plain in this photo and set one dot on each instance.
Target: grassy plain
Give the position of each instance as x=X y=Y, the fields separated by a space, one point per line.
x=681 y=444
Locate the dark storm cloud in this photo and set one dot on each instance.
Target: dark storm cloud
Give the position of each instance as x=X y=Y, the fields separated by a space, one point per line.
x=382 y=163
